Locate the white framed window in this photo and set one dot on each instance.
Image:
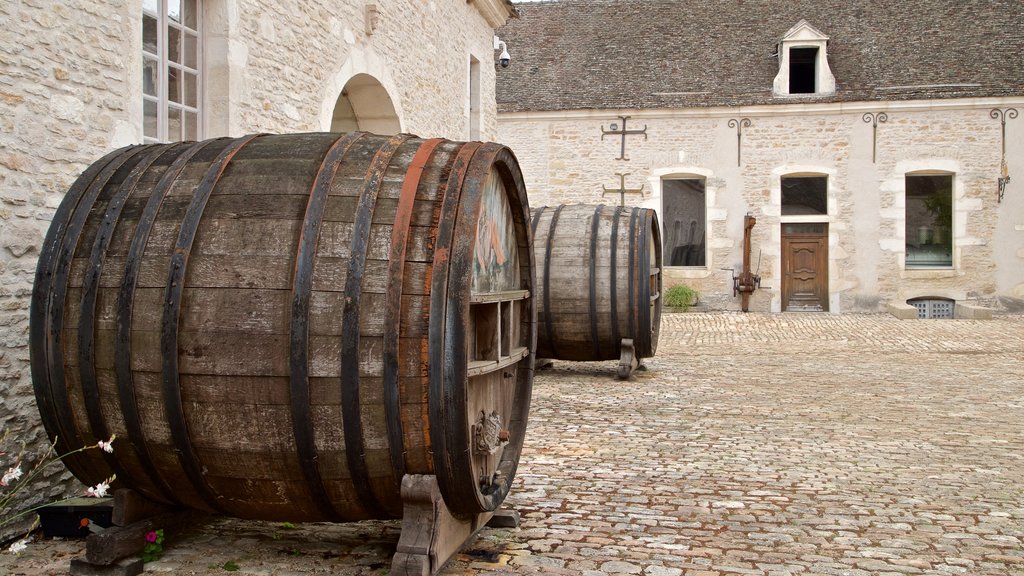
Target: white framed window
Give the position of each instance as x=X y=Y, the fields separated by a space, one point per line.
x=171 y=70
x=684 y=221
x=804 y=195
x=929 y=220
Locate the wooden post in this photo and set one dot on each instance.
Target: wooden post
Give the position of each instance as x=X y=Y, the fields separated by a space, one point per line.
x=107 y=552
x=431 y=535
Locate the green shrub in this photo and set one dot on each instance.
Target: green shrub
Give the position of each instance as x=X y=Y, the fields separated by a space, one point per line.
x=680 y=296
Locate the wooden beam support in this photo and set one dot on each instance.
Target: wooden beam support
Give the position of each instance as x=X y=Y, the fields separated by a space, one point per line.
x=114 y=543
x=431 y=535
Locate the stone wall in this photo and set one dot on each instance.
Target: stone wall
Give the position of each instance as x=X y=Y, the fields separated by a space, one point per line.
x=565 y=160
x=70 y=91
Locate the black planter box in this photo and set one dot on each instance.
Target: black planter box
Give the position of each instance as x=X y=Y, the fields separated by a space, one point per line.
x=65 y=519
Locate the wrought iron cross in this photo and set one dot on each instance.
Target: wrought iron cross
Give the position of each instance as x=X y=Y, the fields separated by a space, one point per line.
x=622 y=190
x=623 y=133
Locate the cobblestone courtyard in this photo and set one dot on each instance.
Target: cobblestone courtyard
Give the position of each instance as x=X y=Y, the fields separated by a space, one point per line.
x=754 y=444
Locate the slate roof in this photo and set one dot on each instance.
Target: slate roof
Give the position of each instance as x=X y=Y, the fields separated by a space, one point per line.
x=599 y=54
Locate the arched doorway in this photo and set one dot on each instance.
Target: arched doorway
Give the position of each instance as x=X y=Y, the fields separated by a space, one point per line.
x=365 y=105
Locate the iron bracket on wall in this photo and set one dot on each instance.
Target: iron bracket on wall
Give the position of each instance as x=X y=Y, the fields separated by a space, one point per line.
x=875 y=119
x=739 y=124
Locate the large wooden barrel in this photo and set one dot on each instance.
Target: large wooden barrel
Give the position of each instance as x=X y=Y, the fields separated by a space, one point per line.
x=598 y=281
x=280 y=327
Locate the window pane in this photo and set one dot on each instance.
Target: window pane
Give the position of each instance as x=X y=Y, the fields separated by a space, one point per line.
x=173 y=44
x=191 y=89
x=149 y=34
x=802 y=196
x=683 y=203
x=929 y=221
x=191 y=17
x=173 y=124
x=149 y=122
x=173 y=84
x=802 y=70
x=174 y=10
x=191 y=51
x=191 y=126
x=150 y=76
x=151 y=7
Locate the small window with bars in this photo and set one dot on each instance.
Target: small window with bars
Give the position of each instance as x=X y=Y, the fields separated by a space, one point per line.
x=171 y=64
x=933 y=308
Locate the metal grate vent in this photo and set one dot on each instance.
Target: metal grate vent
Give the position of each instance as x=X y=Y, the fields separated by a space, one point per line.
x=934 y=309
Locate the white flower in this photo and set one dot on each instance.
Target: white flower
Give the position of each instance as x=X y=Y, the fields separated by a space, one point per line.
x=19 y=546
x=98 y=491
x=12 y=475
x=107 y=446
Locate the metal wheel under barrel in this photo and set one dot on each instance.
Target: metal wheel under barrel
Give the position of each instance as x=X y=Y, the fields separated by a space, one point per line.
x=599 y=283
x=283 y=327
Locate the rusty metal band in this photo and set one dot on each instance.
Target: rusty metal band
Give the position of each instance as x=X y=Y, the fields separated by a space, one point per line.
x=441 y=396
x=393 y=308
x=613 y=274
x=125 y=307
x=644 y=333
x=87 y=308
x=634 y=214
x=350 y=407
x=61 y=277
x=302 y=289
x=595 y=224
x=174 y=290
x=41 y=297
x=549 y=329
x=460 y=486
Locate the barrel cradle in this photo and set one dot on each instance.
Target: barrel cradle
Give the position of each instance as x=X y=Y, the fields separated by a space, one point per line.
x=281 y=327
x=599 y=282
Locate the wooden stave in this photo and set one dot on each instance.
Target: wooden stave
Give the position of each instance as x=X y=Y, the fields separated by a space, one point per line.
x=383 y=489
x=588 y=243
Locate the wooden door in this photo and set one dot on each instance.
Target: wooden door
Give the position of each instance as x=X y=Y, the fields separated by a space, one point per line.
x=805 y=267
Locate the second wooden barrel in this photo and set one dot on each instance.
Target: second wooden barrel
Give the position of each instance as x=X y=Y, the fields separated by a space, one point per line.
x=280 y=327
x=598 y=281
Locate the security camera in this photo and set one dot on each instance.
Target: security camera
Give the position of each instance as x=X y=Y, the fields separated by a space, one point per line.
x=504 y=59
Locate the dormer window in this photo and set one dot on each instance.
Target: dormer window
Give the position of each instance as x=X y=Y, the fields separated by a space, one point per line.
x=803 y=70
x=803 y=63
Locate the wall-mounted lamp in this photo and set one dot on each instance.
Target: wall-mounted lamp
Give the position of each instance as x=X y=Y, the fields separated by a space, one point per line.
x=1004 y=171
x=1003 y=180
x=504 y=59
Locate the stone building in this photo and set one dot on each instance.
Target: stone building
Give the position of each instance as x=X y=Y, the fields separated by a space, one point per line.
x=80 y=78
x=876 y=145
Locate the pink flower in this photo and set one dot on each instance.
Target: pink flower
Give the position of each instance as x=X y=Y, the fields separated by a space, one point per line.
x=151 y=537
x=107 y=446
